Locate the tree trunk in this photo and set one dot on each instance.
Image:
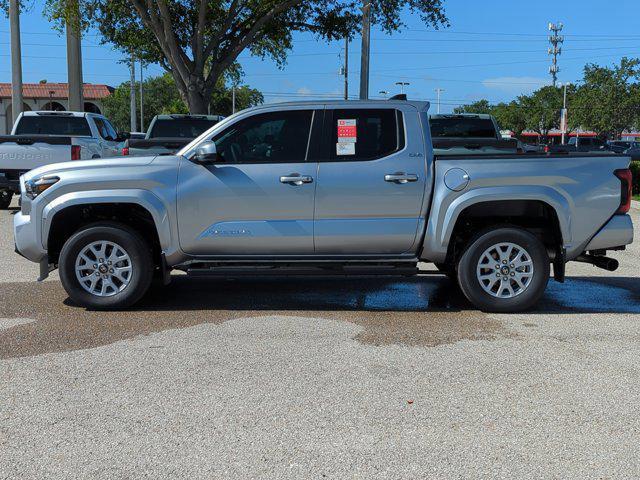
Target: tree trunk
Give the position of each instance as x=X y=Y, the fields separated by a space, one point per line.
x=198 y=100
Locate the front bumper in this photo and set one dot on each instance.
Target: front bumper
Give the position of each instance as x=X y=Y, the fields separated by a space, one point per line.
x=617 y=232
x=27 y=238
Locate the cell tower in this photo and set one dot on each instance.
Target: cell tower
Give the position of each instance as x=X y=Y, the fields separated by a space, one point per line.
x=555 y=49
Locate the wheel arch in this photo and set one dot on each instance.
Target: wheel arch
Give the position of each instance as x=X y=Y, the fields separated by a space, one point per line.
x=140 y=210
x=495 y=206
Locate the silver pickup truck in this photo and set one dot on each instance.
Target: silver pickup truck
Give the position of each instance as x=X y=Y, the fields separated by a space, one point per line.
x=44 y=137
x=327 y=188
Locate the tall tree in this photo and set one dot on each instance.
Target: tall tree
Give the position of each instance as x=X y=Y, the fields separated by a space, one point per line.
x=199 y=41
x=608 y=99
x=541 y=109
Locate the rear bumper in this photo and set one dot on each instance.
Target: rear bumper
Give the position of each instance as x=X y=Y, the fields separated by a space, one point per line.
x=617 y=232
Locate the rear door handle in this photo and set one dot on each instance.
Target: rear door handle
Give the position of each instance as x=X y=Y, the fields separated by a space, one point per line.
x=296 y=179
x=401 y=177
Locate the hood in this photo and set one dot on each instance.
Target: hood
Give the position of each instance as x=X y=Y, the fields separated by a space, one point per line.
x=78 y=165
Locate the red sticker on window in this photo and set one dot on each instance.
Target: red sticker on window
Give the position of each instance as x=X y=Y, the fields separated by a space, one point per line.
x=347 y=131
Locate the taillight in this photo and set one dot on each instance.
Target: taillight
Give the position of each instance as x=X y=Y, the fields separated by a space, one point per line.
x=75 y=152
x=125 y=151
x=626 y=182
x=546 y=149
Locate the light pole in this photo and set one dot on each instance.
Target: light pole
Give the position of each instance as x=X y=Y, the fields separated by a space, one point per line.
x=365 y=50
x=438 y=92
x=402 y=85
x=132 y=94
x=384 y=93
x=16 y=60
x=564 y=120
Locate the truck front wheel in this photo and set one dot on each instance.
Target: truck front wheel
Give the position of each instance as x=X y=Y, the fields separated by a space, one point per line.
x=106 y=266
x=504 y=270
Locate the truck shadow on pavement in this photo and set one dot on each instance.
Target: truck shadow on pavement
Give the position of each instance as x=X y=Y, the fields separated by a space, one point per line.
x=416 y=311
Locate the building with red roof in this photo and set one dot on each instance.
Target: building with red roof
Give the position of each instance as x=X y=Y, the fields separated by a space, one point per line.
x=49 y=96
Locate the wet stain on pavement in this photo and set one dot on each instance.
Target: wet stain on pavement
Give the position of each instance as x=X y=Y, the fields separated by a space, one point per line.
x=416 y=311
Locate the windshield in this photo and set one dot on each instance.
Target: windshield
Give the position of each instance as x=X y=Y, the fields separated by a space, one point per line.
x=456 y=127
x=180 y=127
x=53 y=125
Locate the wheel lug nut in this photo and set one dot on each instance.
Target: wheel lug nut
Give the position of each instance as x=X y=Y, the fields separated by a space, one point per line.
x=497 y=267
x=513 y=266
x=95 y=265
x=111 y=271
x=101 y=260
x=504 y=261
x=513 y=274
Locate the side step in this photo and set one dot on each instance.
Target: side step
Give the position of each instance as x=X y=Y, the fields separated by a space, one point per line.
x=303 y=269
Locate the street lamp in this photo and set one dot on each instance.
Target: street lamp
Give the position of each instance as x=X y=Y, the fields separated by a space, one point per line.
x=438 y=92
x=402 y=85
x=384 y=93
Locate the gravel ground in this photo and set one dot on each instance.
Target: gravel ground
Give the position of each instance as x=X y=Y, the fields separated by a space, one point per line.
x=320 y=379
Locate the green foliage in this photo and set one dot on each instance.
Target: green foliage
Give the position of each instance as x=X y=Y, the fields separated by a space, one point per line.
x=162 y=97
x=635 y=170
x=199 y=42
x=608 y=100
x=480 y=107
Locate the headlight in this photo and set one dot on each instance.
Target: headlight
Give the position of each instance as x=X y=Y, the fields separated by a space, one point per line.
x=36 y=186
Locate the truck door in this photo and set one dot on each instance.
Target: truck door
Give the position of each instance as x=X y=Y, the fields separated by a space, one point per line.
x=258 y=200
x=371 y=182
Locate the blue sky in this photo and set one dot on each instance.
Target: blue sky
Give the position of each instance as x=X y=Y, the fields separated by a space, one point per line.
x=494 y=49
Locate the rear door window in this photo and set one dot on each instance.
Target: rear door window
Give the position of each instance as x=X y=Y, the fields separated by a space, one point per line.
x=364 y=134
x=53 y=125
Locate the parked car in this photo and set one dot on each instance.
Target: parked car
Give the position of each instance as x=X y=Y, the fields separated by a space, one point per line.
x=329 y=188
x=620 y=146
x=467 y=134
x=169 y=133
x=633 y=152
x=587 y=144
x=41 y=138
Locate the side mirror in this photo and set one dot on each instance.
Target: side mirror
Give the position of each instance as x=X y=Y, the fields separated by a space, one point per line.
x=206 y=153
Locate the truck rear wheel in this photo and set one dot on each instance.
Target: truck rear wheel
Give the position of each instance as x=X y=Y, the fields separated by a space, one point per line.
x=5 y=199
x=106 y=266
x=504 y=270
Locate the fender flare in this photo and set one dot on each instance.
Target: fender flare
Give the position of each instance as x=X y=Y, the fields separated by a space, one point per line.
x=442 y=219
x=143 y=198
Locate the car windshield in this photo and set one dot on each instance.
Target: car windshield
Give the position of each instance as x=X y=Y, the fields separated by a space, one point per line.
x=447 y=127
x=181 y=127
x=53 y=125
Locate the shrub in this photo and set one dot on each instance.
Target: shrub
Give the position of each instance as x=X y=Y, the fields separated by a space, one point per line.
x=635 y=171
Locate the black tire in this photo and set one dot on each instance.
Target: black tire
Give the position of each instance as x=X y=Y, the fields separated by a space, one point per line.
x=5 y=199
x=141 y=262
x=470 y=283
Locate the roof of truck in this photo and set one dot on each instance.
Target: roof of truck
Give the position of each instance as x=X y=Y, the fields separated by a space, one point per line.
x=420 y=105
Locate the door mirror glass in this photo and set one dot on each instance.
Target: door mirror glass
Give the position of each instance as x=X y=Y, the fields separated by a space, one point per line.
x=206 y=153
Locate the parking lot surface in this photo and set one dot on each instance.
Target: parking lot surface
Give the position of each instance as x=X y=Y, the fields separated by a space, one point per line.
x=317 y=378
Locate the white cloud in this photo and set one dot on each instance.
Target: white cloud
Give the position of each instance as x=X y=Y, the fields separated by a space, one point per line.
x=515 y=85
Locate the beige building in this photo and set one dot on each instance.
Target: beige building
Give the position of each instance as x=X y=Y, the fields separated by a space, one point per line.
x=48 y=96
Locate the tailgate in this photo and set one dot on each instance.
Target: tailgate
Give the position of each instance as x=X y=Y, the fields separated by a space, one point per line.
x=28 y=152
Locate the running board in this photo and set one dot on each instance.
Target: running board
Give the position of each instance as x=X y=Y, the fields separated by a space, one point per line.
x=304 y=269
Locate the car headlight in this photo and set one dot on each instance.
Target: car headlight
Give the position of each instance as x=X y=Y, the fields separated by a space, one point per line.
x=36 y=186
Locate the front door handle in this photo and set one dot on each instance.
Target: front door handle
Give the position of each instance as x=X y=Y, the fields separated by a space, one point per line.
x=401 y=177
x=296 y=179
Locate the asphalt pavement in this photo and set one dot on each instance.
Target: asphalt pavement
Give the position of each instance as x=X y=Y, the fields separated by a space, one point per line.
x=316 y=378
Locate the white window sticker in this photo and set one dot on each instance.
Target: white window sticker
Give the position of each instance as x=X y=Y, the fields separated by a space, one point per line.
x=345 y=149
x=347 y=130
